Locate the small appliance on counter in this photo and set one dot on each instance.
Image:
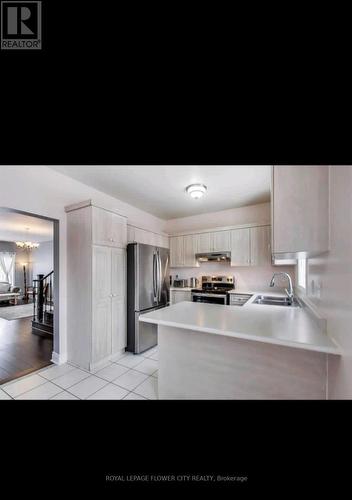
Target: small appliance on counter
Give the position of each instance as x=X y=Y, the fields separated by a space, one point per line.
x=181 y=283
x=214 y=290
x=193 y=282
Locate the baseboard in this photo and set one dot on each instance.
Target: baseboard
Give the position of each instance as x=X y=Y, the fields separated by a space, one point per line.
x=117 y=355
x=58 y=359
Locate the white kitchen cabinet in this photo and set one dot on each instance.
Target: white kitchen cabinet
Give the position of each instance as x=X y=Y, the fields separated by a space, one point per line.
x=260 y=246
x=205 y=242
x=177 y=296
x=135 y=234
x=240 y=247
x=108 y=229
x=96 y=290
x=109 y=303
x=190 y=243
x=176 y=251
x=101 y=310
x=118 y=300
x=300 y=210
x=221 y=241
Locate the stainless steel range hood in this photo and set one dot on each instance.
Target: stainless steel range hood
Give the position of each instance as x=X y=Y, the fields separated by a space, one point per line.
x=214 y=257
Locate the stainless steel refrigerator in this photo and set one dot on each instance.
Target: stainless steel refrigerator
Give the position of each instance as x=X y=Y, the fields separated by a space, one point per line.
x=148 y=289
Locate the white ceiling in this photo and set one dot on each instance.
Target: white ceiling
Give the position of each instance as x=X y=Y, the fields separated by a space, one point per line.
x=160 y=190
x=13 y=228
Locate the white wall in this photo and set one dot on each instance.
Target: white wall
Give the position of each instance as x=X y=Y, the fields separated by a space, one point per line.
x=236 y=216
x=42 y=191
x=42 y=259
x=246 y=278
x=332 y=273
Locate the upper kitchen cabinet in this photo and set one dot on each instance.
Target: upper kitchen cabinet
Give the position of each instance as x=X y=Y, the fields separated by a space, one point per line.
x=260 y=246
x=190 y=243
x=183 y=250
x=221 y=241
x=240 y=247
x=108 y=228
x=205 y=242
x=300 y=204
x=176 y=251
x=137 y=235
x=218 y=241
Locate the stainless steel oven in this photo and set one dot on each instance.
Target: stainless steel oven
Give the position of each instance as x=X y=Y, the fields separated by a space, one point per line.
x=210 y=298
x=214 y=290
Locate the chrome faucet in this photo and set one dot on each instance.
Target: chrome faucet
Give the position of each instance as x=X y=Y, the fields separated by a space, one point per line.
x=289 y=292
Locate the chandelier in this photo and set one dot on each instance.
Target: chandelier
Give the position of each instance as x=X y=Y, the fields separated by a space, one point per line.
x=27 y=245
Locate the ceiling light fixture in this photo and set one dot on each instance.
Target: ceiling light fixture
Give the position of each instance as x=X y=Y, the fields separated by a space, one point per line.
x=196 y=190
x=27 y=245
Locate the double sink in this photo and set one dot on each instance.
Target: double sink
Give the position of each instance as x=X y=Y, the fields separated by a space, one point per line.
x=270 y=300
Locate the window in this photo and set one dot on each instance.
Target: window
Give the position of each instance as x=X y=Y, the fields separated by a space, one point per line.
x=7 y=267
x=302 y=273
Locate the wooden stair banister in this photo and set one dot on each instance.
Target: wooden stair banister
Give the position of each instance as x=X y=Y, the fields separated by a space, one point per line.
x=43 y=304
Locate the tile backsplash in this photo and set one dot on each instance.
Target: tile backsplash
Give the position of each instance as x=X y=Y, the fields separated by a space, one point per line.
x=250 y=278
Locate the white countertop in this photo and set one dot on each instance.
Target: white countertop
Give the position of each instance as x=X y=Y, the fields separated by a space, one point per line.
x=181 y=289
x=291 y=327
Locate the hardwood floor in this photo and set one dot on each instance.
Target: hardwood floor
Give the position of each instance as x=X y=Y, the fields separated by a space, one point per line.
x=21 y=352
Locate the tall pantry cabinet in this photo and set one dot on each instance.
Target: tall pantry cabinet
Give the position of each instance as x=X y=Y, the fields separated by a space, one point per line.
x=96 y=285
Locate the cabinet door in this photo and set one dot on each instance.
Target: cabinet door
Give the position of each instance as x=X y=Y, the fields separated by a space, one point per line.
x=240 y=250
x=119 y=231
x=102 y=227
x=118 y=290
x=165 y=242
x=222 y=241
x=190 y=249
x=182 y=296
x=101 y=331
x=205 y=242
x=260 y=246
x=108 y=229
x=176 y=251
x=119 y=324
x=300 y=209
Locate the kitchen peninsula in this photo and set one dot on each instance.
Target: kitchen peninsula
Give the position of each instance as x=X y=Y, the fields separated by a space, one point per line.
x=211 y=351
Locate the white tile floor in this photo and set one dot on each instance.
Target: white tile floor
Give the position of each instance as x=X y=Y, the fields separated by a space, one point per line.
x=129 y=377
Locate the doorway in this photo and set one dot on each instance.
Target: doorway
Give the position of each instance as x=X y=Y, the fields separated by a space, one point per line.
x=29 y=292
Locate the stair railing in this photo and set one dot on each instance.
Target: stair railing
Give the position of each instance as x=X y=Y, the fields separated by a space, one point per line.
x=43 y=296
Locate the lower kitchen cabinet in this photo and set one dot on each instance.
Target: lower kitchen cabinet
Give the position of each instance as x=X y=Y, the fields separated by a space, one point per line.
x=177 y=296
x=118 y=301
x=109 y=303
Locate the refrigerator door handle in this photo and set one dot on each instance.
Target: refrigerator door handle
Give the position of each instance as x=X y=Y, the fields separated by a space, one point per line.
x=160 y=277
x=155 y=278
